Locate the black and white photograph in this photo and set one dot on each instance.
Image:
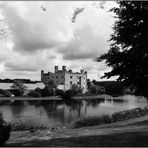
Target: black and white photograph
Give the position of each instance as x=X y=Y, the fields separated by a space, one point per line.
x=74 y=73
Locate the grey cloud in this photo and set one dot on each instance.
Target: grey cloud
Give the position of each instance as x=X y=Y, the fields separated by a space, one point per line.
x=25 y=63
x=52 y=57
x=3 y=58
x=27 y=37
x=84 y=45
x=75 y=14
x=100 y=4
x=20 y=67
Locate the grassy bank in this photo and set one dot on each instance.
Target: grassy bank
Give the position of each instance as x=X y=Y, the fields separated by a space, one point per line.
x=118 y=139
x=104 y=96
x=30 y=98
x=104 y=119
x=21 y=125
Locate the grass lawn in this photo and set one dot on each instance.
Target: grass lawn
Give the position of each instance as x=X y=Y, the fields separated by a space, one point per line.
x=119 y=139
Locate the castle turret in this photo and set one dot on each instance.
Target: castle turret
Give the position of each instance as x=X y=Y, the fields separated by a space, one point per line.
x=82 y=71
x=64 y=68
x=56 y=69
x=70 y=71
x=42 y=72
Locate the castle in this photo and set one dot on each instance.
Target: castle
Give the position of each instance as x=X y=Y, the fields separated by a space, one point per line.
x=63 y=79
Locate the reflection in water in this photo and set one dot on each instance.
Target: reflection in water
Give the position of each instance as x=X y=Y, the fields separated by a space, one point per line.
x=59 y=113
x=17 y=110
x=94 y=102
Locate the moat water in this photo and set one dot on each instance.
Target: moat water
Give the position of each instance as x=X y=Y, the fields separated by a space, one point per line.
x=59 y=113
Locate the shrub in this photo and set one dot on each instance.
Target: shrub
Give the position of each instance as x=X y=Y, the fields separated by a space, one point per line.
x=4 y=131
x=59 y=92
x=19 y=86
x=119 y=116
x=34 y=93
x=92 y=121
x=21 y=125
x=38 y=90
x=75 y=89
x=47 y=92
x=68 y=94
x=5 y=93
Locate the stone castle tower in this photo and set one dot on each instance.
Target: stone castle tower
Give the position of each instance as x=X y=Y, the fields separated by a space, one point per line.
x=63 y=79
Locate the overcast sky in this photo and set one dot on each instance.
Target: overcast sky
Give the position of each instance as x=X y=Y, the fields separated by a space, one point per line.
x=38 y=35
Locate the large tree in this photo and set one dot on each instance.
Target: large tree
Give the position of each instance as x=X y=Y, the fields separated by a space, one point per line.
x=128 y=53
x=19 y=86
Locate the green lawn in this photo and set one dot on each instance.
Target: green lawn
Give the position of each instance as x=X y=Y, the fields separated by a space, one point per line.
x=118 y=139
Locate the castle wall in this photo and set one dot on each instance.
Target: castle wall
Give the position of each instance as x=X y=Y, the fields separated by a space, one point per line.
x=58 y=78
x=64 y=79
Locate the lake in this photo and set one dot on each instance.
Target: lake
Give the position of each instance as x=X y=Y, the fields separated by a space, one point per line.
x=59 y=113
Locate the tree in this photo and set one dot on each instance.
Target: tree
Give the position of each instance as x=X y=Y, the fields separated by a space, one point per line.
x=5 y=93
x=34 y=93
x=49 y=89
x=5 y=129
x=19 y=86
x=76 y=89
x=128 y=53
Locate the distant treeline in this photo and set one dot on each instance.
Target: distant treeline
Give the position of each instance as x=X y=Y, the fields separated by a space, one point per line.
x=111 y=87
x=22 y=80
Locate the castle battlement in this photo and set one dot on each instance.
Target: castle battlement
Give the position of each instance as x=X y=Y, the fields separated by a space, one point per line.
x=64 y=78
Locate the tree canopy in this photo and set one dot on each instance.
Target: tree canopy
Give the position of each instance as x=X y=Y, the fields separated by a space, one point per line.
x=128 y=53
x=18 y=85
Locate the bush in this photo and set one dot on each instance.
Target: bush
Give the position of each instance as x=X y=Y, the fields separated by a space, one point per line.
x=4 y=131
x=34 y=93
x=92 y=121
x=21 y=125
x=5 y=93
x=16 y=92
x=68 y=94
x=19 y=86
x=119 y=116
x=75 y=89
x=59 y=92
x=38 y=90
x=47 y=92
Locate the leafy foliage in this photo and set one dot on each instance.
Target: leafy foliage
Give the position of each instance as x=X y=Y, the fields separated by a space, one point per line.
x=4 y=130
x=76 y=89
x=128 y=54
x=94 y=88
x=115 y=117
x=5 y=93
x=19 y=86
x=20 y=125
x=34 y=93
x=111 y=87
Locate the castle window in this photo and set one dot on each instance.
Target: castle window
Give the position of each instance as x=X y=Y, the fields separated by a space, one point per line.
x=62 y=77
x=56 y=76
x=70 y=77
x=70 y=82
x=62 y=83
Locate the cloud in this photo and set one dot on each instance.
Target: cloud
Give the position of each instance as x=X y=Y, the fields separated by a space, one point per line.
x=34 y=30
x=100 y=4
x=28 y=63
x=77 y=11
x=41 y=39
x=90 y=35
x=85 y=44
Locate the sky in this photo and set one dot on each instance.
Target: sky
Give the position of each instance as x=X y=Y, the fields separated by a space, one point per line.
x=37 y=35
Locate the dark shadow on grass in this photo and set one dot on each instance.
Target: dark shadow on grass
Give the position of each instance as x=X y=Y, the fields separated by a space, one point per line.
x=137 y=139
